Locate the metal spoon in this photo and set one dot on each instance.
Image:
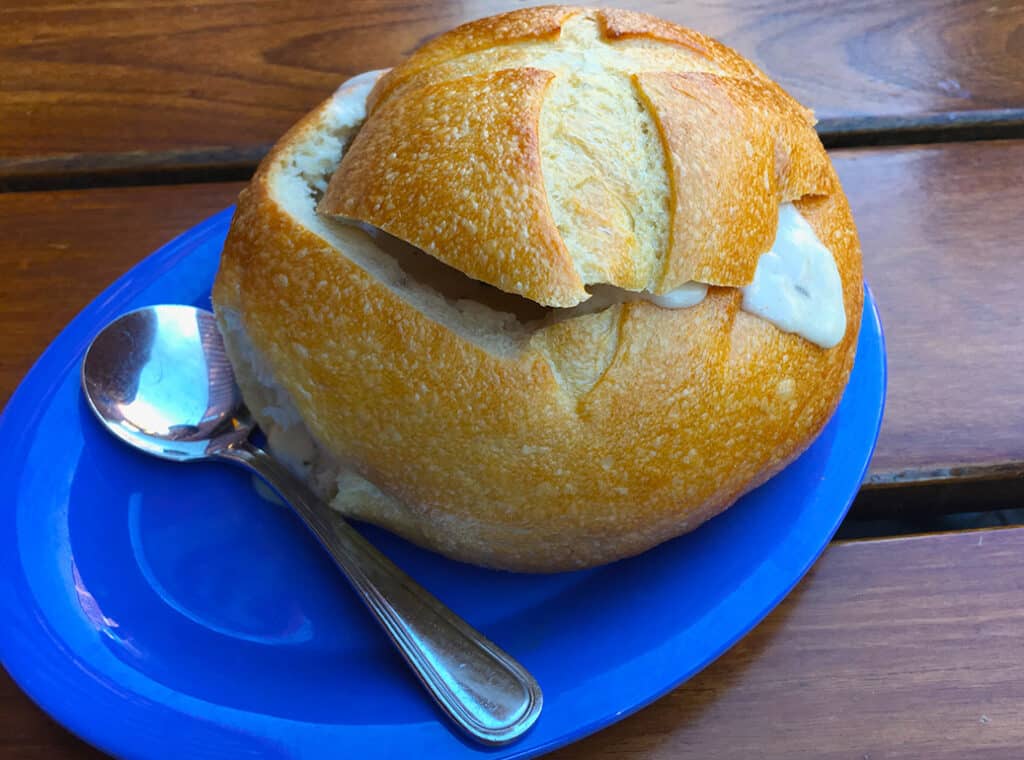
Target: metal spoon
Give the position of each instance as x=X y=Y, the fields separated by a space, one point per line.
x=159 y=379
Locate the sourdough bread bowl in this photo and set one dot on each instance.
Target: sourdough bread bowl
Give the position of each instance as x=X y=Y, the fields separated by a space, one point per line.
x=563 y=285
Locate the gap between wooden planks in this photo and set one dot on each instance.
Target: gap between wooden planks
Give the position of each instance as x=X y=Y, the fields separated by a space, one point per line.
x=229 y=164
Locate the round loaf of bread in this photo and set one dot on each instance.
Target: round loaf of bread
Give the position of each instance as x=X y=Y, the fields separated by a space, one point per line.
x=545 y=295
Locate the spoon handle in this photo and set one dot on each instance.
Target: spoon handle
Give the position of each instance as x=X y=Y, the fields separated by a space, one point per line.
x=486 y=692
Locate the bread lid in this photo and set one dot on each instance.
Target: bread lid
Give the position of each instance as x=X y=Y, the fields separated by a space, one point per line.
x=550 y=149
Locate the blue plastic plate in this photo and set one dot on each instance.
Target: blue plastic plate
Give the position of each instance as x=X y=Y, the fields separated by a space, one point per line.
x=166 y=610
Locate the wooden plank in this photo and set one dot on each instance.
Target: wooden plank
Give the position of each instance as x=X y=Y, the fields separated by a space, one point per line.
x=941 y=229
x=903 y=648
x=222 y=79
x=941 y=244
x=900 y=648
x=60 y=249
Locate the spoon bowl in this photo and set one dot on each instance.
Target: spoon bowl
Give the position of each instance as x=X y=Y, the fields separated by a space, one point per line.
x=159 y=379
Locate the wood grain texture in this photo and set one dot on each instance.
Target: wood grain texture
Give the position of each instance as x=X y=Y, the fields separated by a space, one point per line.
x=902 y=648
x=905 y=648
x=27 y=733
x=941 y=229
x=60 y=249
x=219 y=75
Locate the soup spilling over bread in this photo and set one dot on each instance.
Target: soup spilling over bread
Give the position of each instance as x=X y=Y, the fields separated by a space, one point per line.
x=561 y=286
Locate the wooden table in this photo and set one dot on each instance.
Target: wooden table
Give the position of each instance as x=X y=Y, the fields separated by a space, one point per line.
x=123 y=124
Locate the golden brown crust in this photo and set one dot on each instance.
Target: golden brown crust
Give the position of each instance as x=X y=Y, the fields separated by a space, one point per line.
x=459 y=180
x=737 y=149
x=524 y=25
x=734 y=145
x=598 y=438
